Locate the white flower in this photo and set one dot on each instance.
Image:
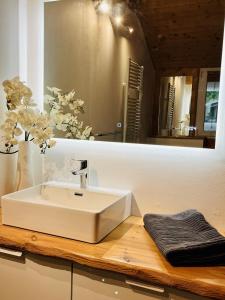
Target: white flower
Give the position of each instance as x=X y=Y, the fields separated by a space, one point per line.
x=68 y=135
x=18 y=131
x=11 y=115
x=64 y=111
x=70 y=96
x=22 y=118
x=54 y=90
x=51 y=143
x=62 y=100
x=13 y=141
x=16 y=92
x=28 y=102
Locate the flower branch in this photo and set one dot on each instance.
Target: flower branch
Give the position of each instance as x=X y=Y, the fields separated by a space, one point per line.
x=23 y=118
x=65 y=110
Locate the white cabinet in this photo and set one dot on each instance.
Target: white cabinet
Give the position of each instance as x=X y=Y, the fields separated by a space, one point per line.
x=34 y=277
x=89 y=283
x=181 y=295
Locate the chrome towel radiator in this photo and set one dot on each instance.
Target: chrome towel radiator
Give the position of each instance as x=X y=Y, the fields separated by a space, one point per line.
x=133 y=103
x=171 y=102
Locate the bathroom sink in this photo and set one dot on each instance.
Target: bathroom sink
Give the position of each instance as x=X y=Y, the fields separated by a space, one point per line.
x=66 y=210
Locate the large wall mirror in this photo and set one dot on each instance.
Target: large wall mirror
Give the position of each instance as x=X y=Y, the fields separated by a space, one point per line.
x=134 y=71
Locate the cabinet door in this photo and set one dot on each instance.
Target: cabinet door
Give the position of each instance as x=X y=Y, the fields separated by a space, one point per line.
x=94 y=284
x=181 y=295
x=34 y=277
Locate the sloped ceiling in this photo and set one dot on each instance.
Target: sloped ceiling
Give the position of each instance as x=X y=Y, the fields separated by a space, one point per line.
x=183 y=33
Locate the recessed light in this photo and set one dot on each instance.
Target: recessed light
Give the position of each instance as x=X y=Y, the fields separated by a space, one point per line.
x=131 y=30
x=104 y=7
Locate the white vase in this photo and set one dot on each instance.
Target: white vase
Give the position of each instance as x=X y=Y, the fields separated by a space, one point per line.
x=8 y=163
x=25 y=177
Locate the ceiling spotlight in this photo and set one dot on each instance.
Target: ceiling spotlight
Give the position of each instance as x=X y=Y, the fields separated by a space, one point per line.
x=131 y=30
x=118 y=20
x=104 y=7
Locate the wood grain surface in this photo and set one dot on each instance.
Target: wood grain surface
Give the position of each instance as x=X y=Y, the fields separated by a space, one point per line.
x=187 y=33
x=128 y=250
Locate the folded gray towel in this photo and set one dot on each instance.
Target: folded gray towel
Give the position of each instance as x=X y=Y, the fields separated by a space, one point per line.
x=186 y=239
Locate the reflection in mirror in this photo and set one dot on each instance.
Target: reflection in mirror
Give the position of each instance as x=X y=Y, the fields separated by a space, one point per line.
x=211 y=100
x=134 y=71
x=175 y=102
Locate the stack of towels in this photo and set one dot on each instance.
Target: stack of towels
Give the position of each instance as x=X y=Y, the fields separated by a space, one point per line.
x=186 y=239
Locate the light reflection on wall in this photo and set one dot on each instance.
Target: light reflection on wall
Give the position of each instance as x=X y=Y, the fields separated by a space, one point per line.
x=85 y=51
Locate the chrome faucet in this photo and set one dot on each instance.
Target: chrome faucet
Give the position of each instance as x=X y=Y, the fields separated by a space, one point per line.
x=80 y=167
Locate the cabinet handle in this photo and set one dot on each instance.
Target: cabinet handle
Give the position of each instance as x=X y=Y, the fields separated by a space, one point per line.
x=145 y=286
x=11 y=252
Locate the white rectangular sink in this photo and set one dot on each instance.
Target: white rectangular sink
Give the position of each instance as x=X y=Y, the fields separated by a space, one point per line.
x=55 y=208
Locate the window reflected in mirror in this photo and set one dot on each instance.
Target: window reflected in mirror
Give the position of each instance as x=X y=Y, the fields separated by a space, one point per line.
x=211 y=100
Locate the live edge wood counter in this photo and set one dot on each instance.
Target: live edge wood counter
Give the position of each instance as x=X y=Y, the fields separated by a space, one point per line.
x=128 y=250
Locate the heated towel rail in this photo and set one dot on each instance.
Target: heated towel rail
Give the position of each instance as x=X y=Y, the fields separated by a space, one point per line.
x=171 y=103
x=133 y=103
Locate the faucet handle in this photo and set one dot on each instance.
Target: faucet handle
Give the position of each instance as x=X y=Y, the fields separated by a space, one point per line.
x=78 y=166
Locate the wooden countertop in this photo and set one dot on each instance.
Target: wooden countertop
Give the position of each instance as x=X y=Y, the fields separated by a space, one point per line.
x=128 y=250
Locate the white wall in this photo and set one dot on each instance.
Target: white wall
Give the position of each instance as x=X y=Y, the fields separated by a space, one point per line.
x=9 y=49
x=21 y=53
x=31 y=46
x=33 y=31
x=220 y=130
x=21 y=32
x=9 y=67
